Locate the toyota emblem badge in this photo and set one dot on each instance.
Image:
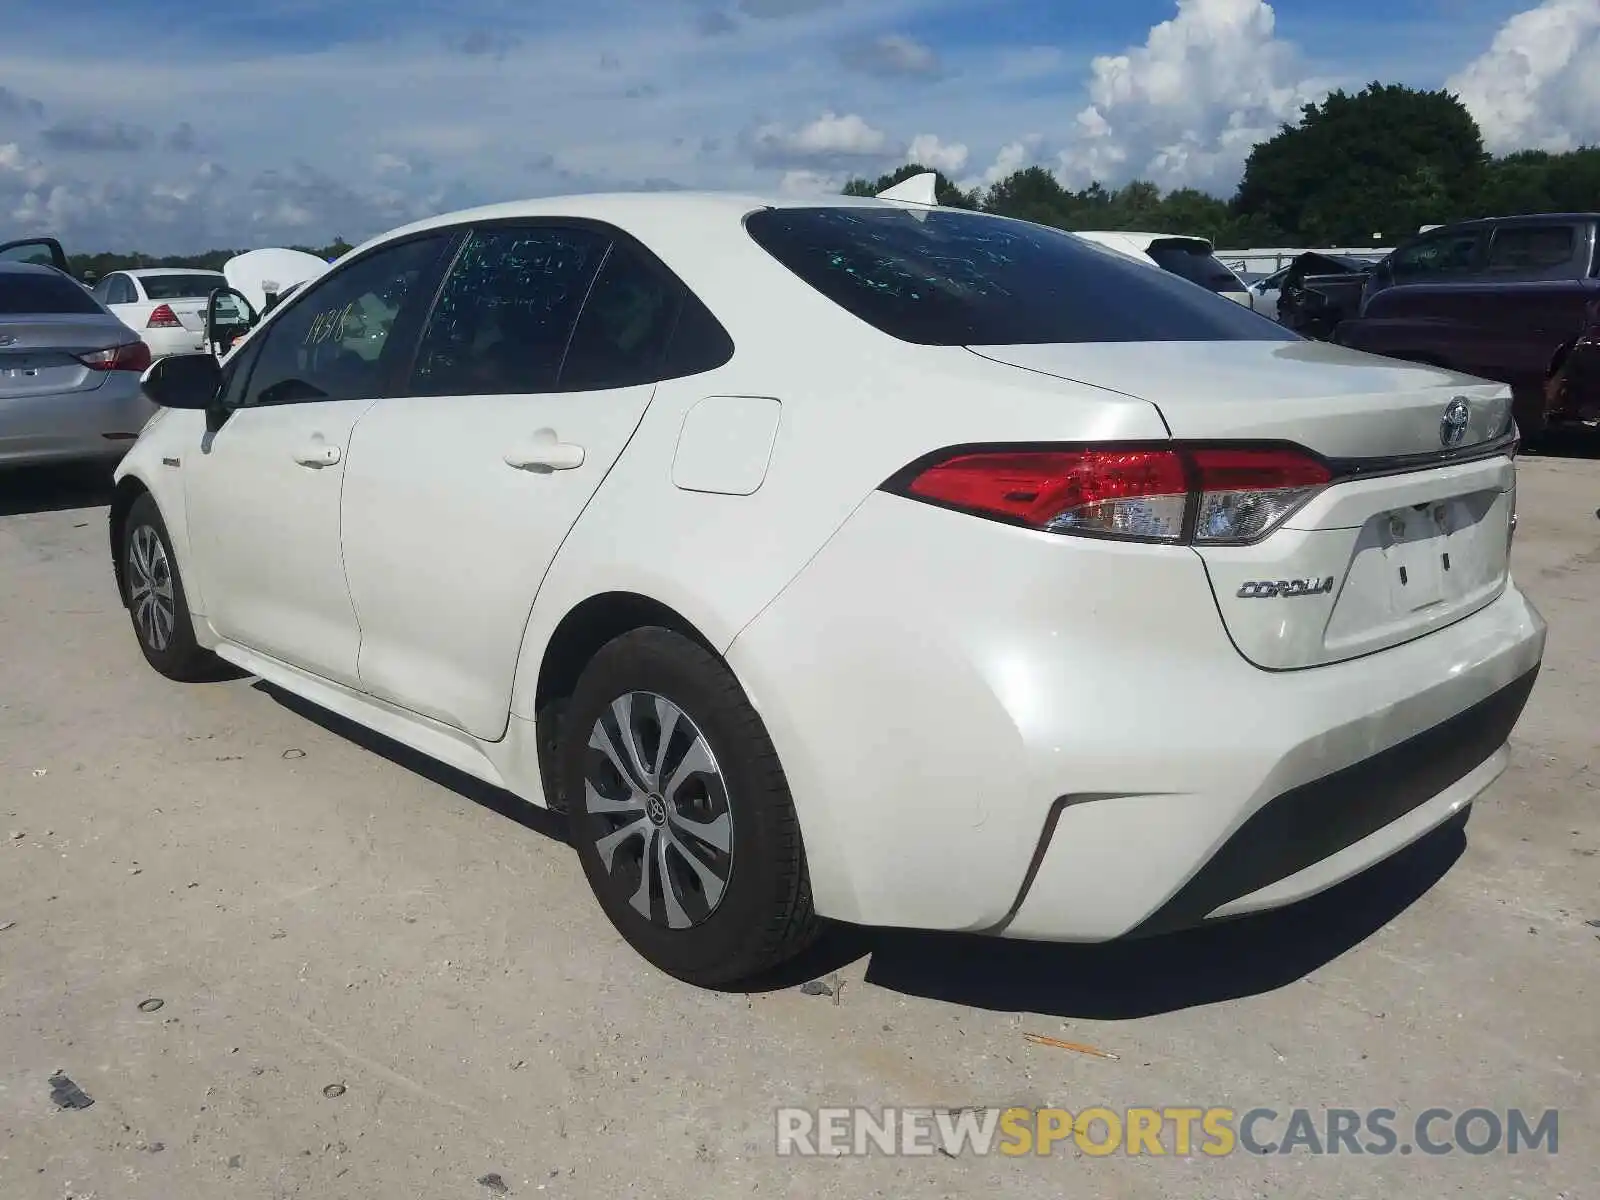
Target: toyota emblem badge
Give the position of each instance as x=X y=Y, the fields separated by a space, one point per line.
x=1453 y=425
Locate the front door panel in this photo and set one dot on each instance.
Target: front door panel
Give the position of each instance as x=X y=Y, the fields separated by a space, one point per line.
x=263 y=511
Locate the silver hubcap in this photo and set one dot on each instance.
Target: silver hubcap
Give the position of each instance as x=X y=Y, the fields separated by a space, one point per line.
x=659 y=810
x=155 y=609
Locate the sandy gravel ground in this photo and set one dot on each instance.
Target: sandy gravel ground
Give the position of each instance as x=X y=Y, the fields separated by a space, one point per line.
x=378 y=979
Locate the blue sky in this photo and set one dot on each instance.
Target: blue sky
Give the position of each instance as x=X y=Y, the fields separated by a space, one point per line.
x=295 y=120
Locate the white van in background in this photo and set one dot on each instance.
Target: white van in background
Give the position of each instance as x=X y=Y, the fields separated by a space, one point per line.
x=1193 y=258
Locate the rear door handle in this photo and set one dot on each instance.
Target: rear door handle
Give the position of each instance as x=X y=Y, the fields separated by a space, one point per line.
x=545 y=452
x=317 y=454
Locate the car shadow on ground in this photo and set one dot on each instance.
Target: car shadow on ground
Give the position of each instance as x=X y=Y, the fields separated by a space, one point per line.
x=1117 y=981
x=496 y=800
x=1565 y=441
x=54 y=489
x=1226 y=960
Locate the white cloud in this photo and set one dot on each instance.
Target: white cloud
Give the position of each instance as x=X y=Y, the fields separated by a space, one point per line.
x=1029 y=63
x=828 y=138
x=1013 y=157
x=1538 y=86
x=949 y=157
x=1185 y=107
x=892 y=54
x=810 y=183
x=413 y=117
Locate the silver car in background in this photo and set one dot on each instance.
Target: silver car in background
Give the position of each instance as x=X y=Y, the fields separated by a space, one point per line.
x=69 y=371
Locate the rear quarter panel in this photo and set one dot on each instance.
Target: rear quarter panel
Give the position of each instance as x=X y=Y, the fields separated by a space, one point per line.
x=848 y=421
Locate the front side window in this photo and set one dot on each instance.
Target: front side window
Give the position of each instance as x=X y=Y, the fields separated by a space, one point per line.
x=948 y=278
x=1438 y=257
x=506 y=311
x=329 y=345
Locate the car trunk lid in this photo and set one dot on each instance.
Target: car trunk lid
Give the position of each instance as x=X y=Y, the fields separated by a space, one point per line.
x=39 y=354
x=190 y=311
x=1413 y=532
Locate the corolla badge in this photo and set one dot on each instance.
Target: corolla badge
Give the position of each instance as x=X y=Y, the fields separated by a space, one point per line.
x=1267 y=589
x=1453 y=425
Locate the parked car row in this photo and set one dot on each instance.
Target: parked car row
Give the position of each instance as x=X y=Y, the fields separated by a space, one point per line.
x=69 y=370
x=1514 y=299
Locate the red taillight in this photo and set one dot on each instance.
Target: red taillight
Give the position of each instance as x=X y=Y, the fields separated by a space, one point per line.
x=163 y=318
x=1128 y=492
x=1169 y=493
x=135 y=356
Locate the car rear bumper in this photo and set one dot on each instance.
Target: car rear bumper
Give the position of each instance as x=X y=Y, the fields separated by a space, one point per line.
x=102 y=423
x=164 y=342
x=1059 y=742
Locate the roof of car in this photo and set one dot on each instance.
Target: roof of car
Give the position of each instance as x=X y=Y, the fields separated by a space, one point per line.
x=1519 y=219
x=27 y=268
x=640 y=211
x=1138 y=236
x=145 y=272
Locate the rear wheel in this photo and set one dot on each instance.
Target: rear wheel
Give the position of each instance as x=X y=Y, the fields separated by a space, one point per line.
x=681 y=814
x=155 y=598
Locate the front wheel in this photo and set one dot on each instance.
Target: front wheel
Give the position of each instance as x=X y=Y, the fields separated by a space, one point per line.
x=153 y=592
x=681 y=814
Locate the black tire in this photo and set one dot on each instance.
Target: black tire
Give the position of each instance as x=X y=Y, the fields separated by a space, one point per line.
x=167 y=639
x=1528 y=409
x=762 y=915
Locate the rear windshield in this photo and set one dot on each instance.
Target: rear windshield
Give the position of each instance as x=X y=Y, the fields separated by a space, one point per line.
x=26 y=292
x=945 y=278
x=1195 y=262
x=180 y=287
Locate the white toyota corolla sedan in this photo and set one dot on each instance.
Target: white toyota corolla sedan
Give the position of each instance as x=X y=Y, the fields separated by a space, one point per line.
x=853 y=558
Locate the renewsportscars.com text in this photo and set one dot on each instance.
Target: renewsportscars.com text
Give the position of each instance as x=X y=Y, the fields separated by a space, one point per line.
x=1181 y=1131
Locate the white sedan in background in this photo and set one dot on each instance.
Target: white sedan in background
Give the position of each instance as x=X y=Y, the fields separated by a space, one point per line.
x=166 y=307
x=853 y=558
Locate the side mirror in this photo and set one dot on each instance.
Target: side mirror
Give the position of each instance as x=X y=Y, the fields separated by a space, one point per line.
x=229 y=315
x=183 y=381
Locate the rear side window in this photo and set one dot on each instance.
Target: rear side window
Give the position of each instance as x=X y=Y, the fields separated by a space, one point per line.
x=1523 y=249
x=1193 y=260
x=181 y=287
x=506 y=311
x=948 y=278
x=29 y=292
x=626 y=328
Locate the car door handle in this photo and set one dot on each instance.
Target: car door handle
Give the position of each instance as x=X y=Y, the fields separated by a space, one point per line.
x=317 y=454
x=545 y=452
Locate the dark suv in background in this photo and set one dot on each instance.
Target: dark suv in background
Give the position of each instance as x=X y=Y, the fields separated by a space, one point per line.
x=1515 y=299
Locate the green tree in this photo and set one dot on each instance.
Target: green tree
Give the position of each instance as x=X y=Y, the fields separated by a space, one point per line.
x=1031 y=194
x=1384 y=160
